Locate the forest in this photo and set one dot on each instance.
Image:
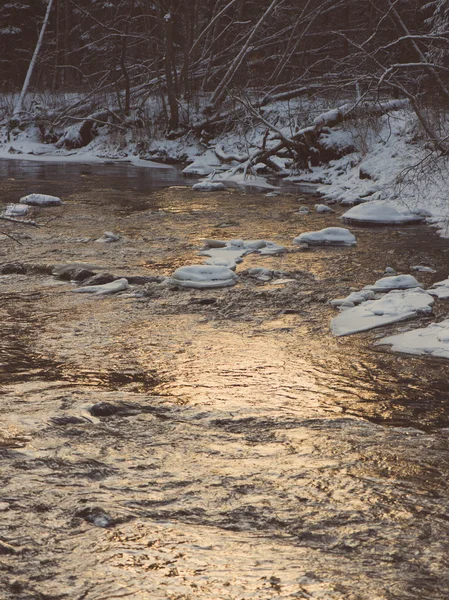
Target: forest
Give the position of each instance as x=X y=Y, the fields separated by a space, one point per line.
x=175 y=66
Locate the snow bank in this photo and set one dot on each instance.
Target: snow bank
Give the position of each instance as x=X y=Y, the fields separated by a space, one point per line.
x=380 y=213
x=203 y=276
x=432 y=340
x=331 y=236
x=103 y=290
x=394 y=306
x=397 y=282
x=40 y=200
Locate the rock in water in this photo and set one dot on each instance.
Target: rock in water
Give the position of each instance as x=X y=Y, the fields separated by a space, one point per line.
x=331 y=236
x=40 y=200
x=203 y=276
x=103 y=290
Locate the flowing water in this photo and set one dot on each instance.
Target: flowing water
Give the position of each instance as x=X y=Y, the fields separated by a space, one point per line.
x=246 y=453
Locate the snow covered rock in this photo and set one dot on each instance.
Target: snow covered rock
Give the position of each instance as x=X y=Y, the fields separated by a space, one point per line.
x=103 y=290
x=234 y=250
x=353 y=298
x=379 y=213
x=221 y=262
x=198 y=167
x=108 y=237
x=303 y=210
x=331 y=236
x=423 y=269
x=40 y=200
x=15 y=210
x=441 y=289
x=323 y=208
x=432 y=340
x=209 y=186
x=394 y=306
x=396 y=282
x=203 y=276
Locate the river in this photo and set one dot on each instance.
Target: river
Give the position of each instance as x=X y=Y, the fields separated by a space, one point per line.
x=250 y=455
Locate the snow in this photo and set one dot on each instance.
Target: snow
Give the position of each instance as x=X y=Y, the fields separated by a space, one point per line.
x=323 y=208
x=203 y=276
x=303 y=210
x=15 y=210
x=380 y=213
x=209 y=186
x=395 y=306
x=331 y=236
x=432 y=340
x=395 y=282
x=103 y=290
x=40 y=200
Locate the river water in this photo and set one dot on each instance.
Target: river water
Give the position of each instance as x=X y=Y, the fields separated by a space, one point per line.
x=250 y=454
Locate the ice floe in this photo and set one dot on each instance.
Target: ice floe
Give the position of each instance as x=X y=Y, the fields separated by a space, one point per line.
x=102 y=290
x=203 y=276
x=432 y=340
x=40 y=200
x=395 y=306
x=380 y=213
x=331 y=236
x=395 y=282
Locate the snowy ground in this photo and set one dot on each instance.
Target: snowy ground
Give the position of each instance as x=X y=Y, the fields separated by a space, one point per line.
x=378 y=162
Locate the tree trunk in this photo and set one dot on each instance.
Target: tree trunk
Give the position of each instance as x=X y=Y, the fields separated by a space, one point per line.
x=32 y=64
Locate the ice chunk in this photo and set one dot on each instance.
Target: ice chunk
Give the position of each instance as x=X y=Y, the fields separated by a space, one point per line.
x=203 y=276
x=396 y=282
x=40 y=200
x=379 y=213
x=102 y=290
x=394 y=306
x=432 y=340
x=331 y=236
